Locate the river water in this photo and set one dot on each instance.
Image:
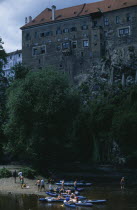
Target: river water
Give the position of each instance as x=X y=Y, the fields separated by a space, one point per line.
x=117 y=199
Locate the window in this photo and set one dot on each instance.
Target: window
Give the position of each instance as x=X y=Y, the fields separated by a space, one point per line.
x=49 y=33
x=58 y=31
x=19 y=55
x=73 y=29
x=84 y=27
x=84 y=35
x=95 y=36
x=82 y=54
x=74 y=44
x=34 y=51
x=85 y=43
x=117 y=19
x=95 y=23
x=128 y=17
x=66 y=38
x=42 y=34
x=105 y=33
x=42 y=50
x=28 y=36
x=35 y=35
x=65 y=30
x=124 y=31
x=106 y=21
x=58 y=47
x=65 y=45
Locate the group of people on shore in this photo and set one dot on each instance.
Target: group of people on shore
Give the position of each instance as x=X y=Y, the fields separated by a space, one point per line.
x=40 y=184
x=21 y=179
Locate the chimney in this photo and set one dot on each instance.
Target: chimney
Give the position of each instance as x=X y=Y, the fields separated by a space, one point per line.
x=53 y=12
x=30 y=19
x=26 y=20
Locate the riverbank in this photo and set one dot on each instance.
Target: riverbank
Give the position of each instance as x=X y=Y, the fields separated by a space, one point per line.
x=100 y=176
x=8 y=186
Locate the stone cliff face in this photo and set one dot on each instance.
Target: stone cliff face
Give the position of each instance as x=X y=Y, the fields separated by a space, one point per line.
x=119 y=67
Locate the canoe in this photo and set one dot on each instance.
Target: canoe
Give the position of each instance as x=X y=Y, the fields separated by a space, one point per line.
x=52 y=194
x=84 y=204
x=74 y=205
x=79 y=189
x=69 y=205
x=96 y=201
x=64 y=195
x=50 y=200
x=72 y=184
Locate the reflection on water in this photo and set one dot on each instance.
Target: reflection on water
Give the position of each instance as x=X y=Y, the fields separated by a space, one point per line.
x=117 y=200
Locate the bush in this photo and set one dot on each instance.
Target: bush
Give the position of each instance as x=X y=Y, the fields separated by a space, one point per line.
x=5 y=173
x=28 y=173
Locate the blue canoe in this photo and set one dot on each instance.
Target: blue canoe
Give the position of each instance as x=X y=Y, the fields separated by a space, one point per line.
x=69 y=205
x=96 y=201
x=74 y=205
x=84 y=204
x=50 y=200
x=79 y=189
x=64 y=195
x=72 y=184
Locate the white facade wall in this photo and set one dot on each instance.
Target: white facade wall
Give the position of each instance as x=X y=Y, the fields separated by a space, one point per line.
x=13 y=58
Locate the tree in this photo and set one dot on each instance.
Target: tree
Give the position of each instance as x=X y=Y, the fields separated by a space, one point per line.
x=3 y=87
x=20 y=71
x=41 y=108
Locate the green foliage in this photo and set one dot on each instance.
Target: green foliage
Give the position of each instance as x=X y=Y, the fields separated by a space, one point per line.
x=5 y=173
x=2 y=56
x=49 y=120
x=41 y=108
x=20 y=71
x=29 y=173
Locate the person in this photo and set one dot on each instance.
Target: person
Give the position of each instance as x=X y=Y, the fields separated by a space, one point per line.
x=22 y=181
x=62 y=184
x=68 y=192
x=15 y=175
x=75 y=185
x=38 y=184
x=122 y=183
x=20 y=174
x=42 y=184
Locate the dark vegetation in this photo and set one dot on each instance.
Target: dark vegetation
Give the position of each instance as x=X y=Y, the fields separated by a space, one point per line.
x=45 y=121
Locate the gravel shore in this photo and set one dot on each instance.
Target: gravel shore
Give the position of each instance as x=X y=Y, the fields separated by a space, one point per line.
x=8 y=186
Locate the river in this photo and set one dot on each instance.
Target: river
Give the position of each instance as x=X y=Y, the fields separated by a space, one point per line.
x=117 y=199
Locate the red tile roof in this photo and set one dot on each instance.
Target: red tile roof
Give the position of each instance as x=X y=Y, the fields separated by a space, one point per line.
x=80 y=10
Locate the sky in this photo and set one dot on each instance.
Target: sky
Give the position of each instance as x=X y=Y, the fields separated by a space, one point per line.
x=13 y=13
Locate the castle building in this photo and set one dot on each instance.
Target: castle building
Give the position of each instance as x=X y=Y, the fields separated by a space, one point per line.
x=74 y=38
x=13 y=58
